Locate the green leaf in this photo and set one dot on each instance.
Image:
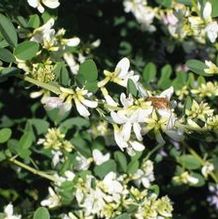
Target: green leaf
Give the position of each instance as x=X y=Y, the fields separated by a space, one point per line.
x=26 y=140
x=62 y=74
x=77 y=122
x=6 y=55
x=41 y=213
x=191 y=80
x=123 y=216
x=149 y=72
x=185 y=2
x=26 y=50
x=180 y=81
x=66 y=190
x=131 y=88
x=133 y=166
x=214 y=8
x=10 y=71
x=196 y=66
x=165 y=81
x=82 y=146
x=8 y=31
x=2 y=156
x=125 y=48
x=155 y=189
x=201 y=80
x=120 y=158
x=40 y=125
x=189 y=162
x=56 y=115
x=34 y=21
x=201 y=180
x=102 y=170
x=88 y=70
x=188 y=104
x=165 y=3
x=5 y=135
x=91 y=86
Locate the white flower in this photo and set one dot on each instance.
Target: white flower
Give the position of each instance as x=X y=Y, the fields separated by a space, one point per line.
x=211 y=68
x=71 y=42
x=53 y=199
x=143 y=14
x=186 y=178
x=56 y=157
x=99 y=158
x=207 y=169
x=145 y=175
x=45 y=35
x=94 y=202
x=69 y=175
x=112 y=184
x=212 y=31
x=131 y=145
x=130 y=118
x=82 y=163
x=8 y=211
x=108 y=99
x=51 y=103
x=80 y=101
x=71 y=62
x=121 y=74
x=207 y=11
x=96 y=43
x=39 y=4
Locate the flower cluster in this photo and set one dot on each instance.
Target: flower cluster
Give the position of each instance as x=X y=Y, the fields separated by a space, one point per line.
x=180 y=20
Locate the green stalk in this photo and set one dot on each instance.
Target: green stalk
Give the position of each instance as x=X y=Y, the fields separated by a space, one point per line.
x=43 y=85
x=32 y=170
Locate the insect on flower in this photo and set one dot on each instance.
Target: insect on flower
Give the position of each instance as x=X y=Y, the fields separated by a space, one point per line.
x=159 y=102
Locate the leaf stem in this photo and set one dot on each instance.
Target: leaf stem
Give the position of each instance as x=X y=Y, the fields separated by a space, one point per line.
x=160 y=145
x=46 y=86
x=32 y=170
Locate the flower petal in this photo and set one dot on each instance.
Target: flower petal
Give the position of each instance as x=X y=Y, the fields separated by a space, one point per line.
x=207 y=10
x=119 y=138
x=117 y=118
x=51 y=3
x=137 y=131
x=122 y=67
x=126 y=131
x=33 y=3
x=73 y=41
x=89 y=103
x=167 y=93
x=137 y=146
x=81 y=109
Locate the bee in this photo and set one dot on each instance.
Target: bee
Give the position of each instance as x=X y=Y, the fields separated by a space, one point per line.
x=159 y=102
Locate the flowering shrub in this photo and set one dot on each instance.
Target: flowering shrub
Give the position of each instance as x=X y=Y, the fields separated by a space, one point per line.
x=108 y=109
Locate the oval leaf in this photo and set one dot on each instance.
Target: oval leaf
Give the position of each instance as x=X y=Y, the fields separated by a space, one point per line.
x=41 y=213
x=26 y=50
x=88 y=70
x=189 y=162
x=8 y=31
x=5 y=134
x=131 y=88
x=149 y=72
x=6 y=55
x=121 y=160
x=196 y=66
